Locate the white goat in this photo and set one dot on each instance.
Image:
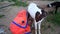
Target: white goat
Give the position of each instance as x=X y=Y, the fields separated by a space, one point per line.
x=33 y=9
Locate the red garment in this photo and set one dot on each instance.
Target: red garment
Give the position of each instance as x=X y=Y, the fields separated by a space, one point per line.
x=19 y=24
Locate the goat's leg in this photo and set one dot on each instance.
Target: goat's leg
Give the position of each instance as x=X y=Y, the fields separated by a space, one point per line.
x=56 y=10
x=39 y=27
x=35 y=28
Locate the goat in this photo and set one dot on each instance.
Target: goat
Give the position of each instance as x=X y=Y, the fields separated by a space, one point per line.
x=37 y=14
x=56 y=5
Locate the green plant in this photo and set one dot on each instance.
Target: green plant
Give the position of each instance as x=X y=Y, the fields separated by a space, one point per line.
x=55 y=19
x=20 y=3
x=1 y=16
x=17 y=3
x=14 y=0
x=1 y=0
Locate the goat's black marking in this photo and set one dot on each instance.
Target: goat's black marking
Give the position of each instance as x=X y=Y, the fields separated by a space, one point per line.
x=39 y=16
x=56 y=4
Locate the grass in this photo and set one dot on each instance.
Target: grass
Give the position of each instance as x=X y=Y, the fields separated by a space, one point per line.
x=17 y=3
x=20 y=3
x=55 y=19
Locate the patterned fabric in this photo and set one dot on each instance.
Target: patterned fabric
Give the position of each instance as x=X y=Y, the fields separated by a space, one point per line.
x=19 y=24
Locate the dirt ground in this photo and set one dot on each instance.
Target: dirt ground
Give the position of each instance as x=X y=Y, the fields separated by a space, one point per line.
x=11 y=11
